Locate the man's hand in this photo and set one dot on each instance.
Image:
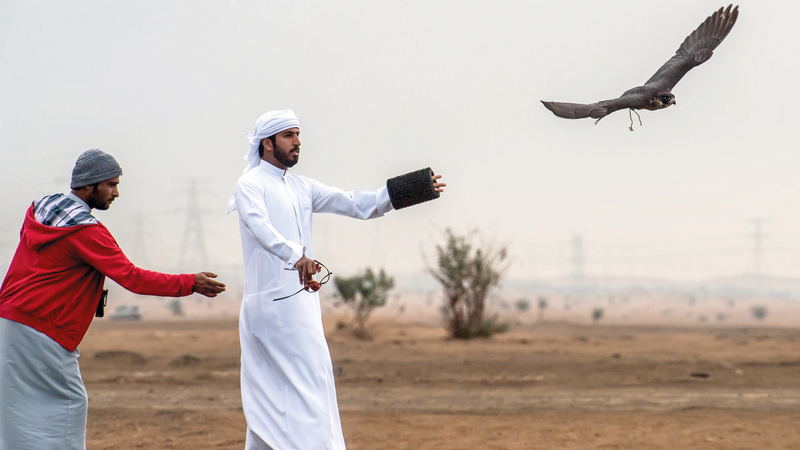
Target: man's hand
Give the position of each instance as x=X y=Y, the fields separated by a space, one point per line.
x=203 y=284
x=438 y=187
x=306 y=268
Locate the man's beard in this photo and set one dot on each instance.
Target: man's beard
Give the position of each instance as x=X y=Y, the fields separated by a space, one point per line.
x=96 y=202
x=284 y=157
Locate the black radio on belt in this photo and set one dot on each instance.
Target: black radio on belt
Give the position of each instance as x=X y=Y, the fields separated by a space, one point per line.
x=101 y=307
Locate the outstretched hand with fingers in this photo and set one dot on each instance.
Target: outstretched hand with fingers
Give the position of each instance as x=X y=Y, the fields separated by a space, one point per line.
x=438 y=187
x=206 y=285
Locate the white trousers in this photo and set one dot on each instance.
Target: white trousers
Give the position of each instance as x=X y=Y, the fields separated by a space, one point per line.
x=43 y=402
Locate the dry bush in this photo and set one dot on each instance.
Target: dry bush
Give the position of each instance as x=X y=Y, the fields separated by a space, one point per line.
x=467 y=273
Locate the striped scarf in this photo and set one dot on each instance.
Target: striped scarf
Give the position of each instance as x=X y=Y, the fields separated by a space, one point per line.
x=58 y=210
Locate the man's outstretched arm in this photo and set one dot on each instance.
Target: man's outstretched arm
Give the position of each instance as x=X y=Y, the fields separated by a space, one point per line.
x=99 y=249
x=404 y=190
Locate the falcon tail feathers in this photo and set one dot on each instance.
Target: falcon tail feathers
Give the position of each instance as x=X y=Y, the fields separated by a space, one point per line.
x=575 y=110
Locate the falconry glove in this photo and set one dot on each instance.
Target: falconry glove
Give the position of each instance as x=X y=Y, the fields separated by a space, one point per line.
x=412 y=188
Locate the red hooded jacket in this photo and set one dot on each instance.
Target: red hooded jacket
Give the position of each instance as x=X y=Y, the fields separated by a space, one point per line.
x=55 y=280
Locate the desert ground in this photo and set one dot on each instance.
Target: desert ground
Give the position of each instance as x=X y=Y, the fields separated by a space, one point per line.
x=175 y=385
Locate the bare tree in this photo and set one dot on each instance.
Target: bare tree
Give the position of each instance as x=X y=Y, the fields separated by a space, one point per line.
x=363 y=293
x=467 y=273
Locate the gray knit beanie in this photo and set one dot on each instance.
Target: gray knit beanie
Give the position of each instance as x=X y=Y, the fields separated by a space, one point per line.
x=94 y=166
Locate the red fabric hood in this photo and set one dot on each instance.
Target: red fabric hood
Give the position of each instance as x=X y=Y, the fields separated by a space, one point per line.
x=35 y=235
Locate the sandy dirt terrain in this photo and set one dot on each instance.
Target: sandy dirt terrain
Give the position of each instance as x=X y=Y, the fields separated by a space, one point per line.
x=175 y=385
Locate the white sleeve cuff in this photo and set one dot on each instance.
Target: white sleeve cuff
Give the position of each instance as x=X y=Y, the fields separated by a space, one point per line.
x=298 y=251
x=384 y=202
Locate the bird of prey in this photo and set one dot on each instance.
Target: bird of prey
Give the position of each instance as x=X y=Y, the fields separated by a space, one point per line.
x=657 y=91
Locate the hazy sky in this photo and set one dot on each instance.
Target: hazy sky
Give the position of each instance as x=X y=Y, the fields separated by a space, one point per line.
x=384 y=87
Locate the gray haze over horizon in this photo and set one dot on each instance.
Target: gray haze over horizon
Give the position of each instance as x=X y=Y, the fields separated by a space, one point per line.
x=382 y=88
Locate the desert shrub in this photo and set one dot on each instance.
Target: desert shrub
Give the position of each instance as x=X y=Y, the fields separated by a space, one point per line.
x=759 y=312
x=491 y=325
x=597 y=314
x=467 y=273
x=176 y=307
x=542 y=305
x=363 y=293
x=522 y=305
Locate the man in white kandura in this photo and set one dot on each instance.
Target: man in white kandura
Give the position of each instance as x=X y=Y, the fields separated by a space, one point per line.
x=288 y=390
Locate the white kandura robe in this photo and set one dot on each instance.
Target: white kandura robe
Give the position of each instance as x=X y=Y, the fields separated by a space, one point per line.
x=288 y=391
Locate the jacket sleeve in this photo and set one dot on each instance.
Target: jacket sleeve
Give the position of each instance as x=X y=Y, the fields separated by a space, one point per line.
x=356 y=204
x=97 y=247
x=252 y=207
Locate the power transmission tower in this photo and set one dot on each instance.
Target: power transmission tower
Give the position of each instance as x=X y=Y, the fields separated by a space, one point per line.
x=193 y=248
x=758 y=245
x=139 y=250
x=578 y=259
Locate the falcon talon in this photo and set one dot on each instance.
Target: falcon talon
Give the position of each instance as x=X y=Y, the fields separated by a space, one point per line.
x=631 y=117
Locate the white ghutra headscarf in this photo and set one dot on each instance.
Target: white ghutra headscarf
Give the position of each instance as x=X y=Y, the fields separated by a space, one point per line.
x=267 y=125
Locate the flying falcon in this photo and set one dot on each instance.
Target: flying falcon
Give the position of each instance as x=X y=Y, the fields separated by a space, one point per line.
x=657 y=91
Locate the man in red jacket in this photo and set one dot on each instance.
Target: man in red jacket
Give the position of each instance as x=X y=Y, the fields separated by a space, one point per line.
x=53 y=289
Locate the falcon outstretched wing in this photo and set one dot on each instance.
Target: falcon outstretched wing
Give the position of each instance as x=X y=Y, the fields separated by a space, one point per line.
x=594 y=110
x=697 y=48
